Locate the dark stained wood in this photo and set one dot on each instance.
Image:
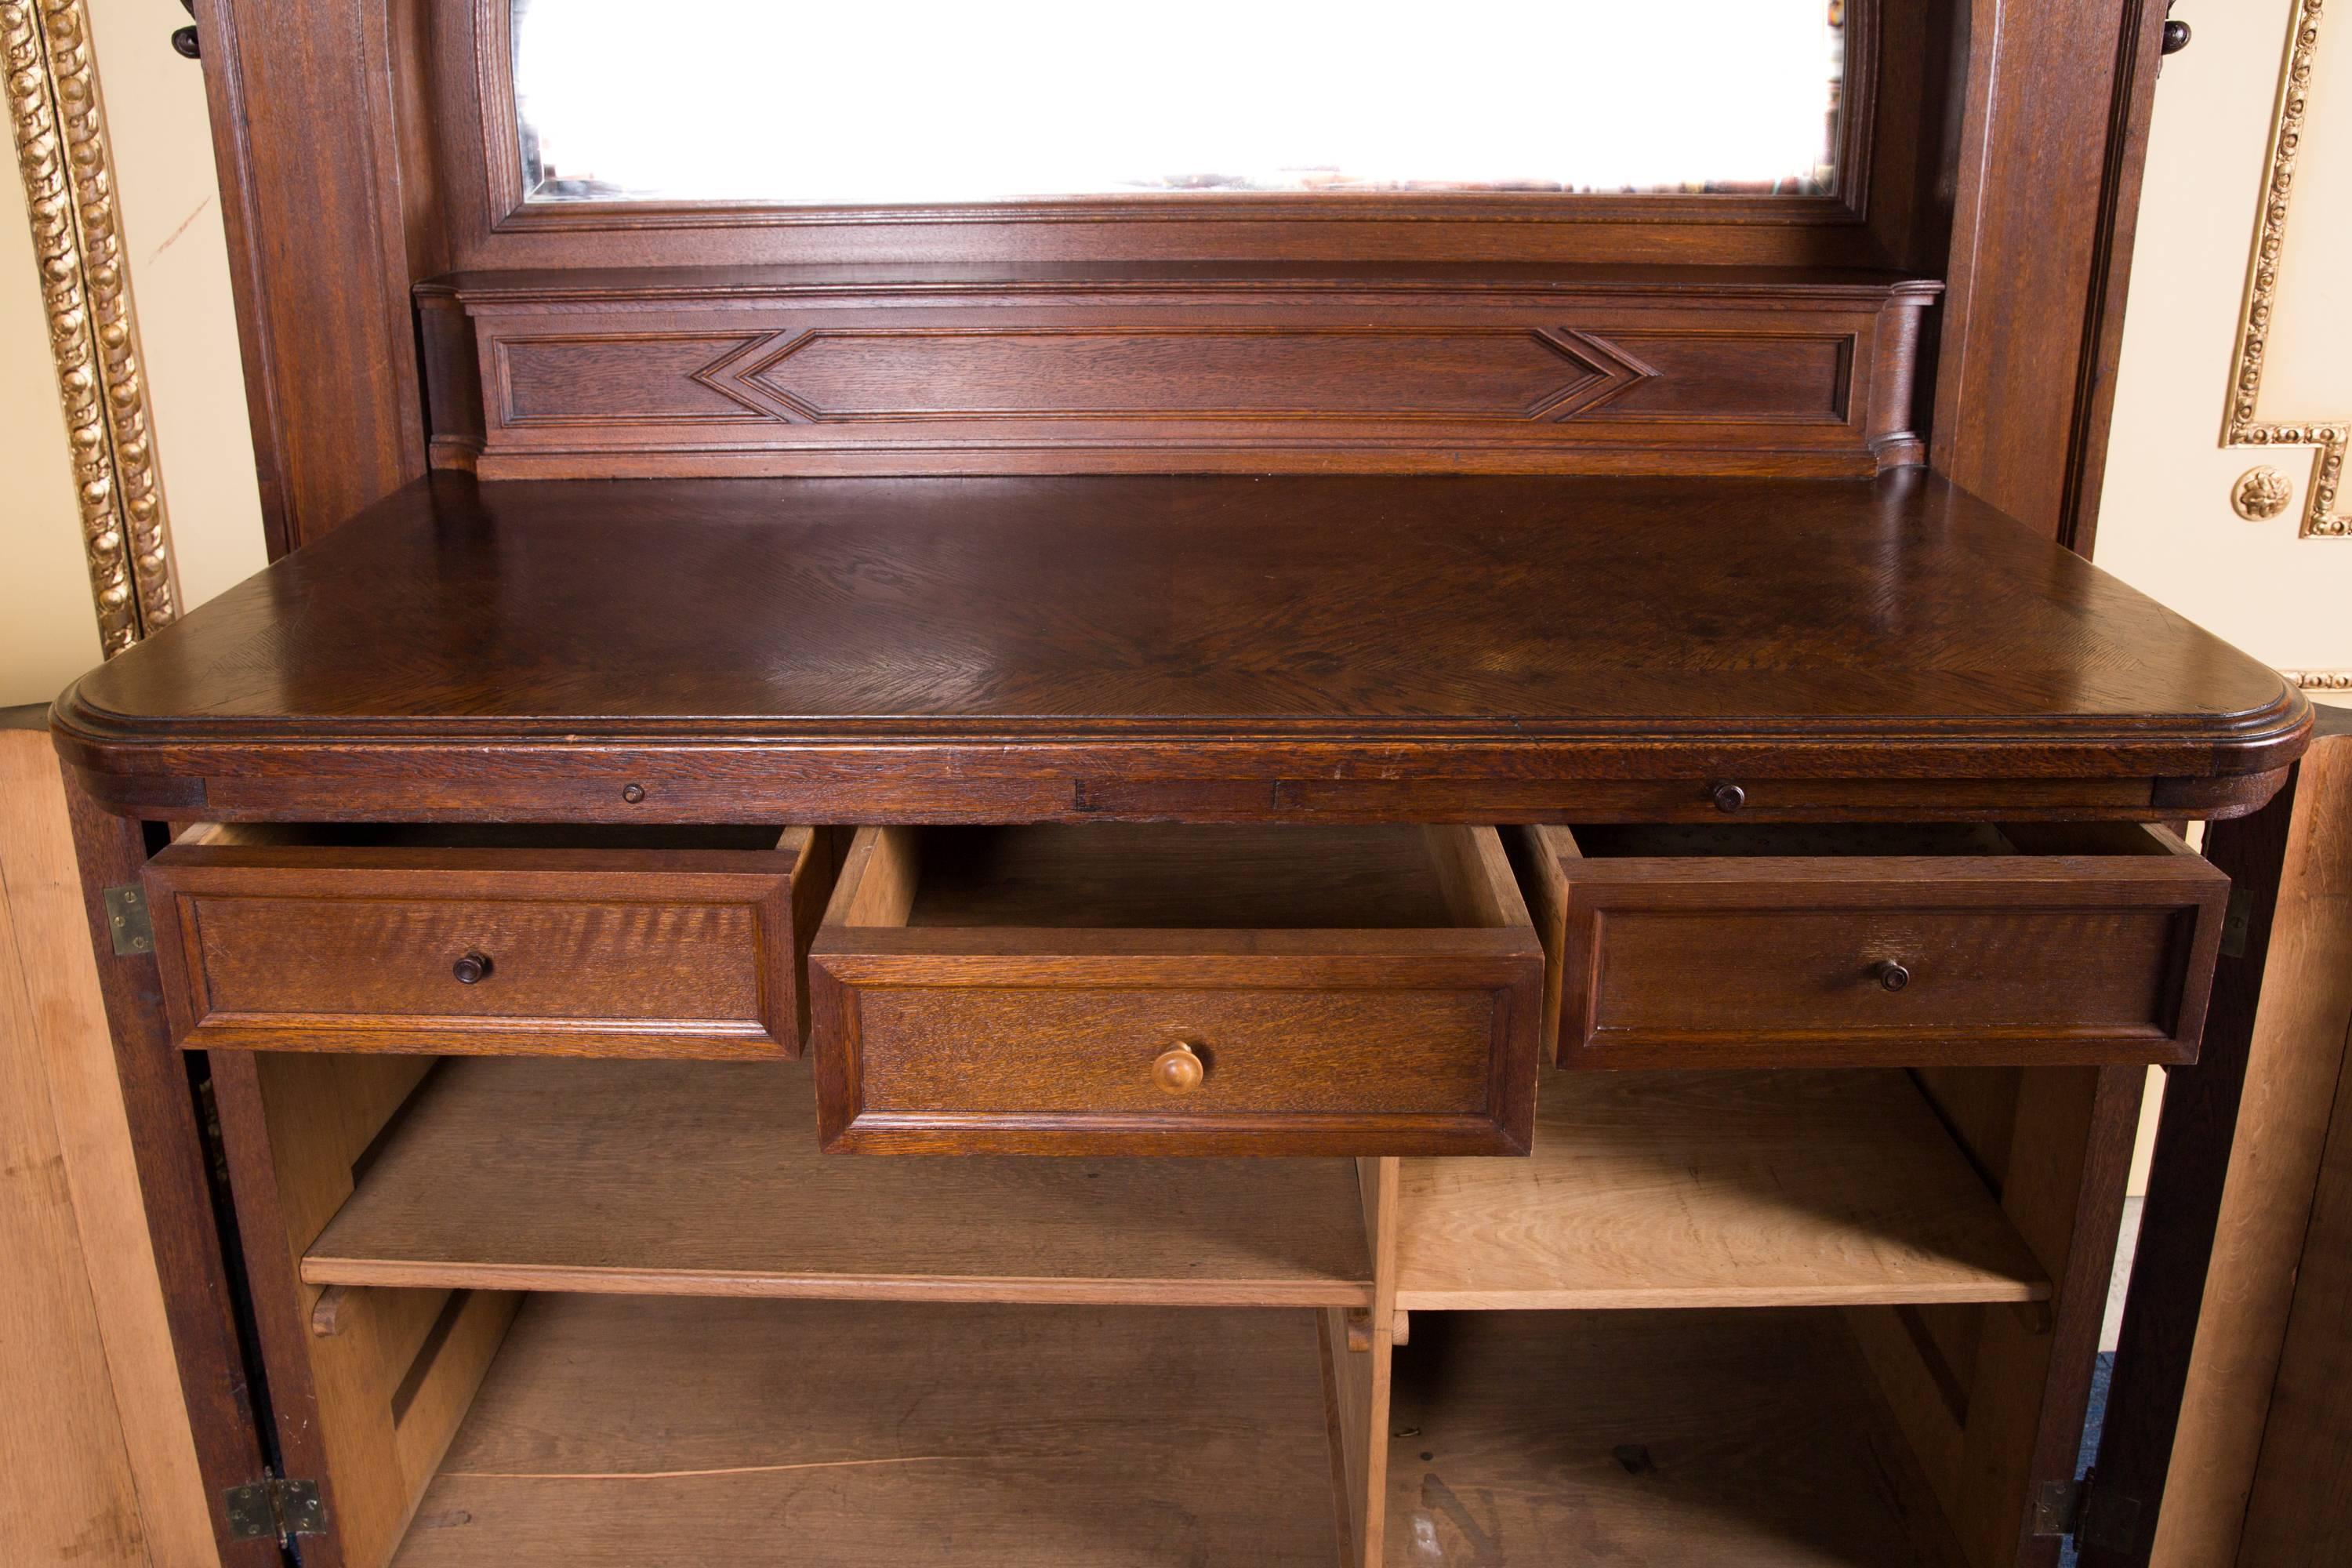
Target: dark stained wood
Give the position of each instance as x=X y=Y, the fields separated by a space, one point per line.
x=704 y=1178
x=2092 y=945
x=434 y=184
x=2070 y=1160
x=1669 y=1440
x=1466 y=650
x=1107 y=875
x=676 y=372
x=294 y=194
x=191 y=1254
x=1341 y=649
x=967 y=1033
x=2053 y=147
x=579 y=951
x=870 y=1437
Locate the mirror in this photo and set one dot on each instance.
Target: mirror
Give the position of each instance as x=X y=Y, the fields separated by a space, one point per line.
x=928 y=102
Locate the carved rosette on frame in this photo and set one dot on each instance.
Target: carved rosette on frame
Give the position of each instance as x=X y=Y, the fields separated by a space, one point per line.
x=62 y=150
x=2321 y=518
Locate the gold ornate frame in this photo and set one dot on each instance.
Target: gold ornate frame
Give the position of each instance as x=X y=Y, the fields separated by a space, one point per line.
x=2240 y=428
x=62 y=150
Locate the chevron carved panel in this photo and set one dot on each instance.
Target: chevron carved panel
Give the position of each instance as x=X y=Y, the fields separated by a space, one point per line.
x=679 y=372
x=822 y=375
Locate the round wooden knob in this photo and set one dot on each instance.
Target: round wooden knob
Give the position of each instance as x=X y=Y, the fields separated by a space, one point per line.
x=1728 y=796
x=1892 y=975
x=470 y=969
x=1177 y=1070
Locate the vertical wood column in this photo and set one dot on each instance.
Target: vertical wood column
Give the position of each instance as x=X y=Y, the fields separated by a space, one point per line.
x=1993 y=1398
x=2051 y=155
x=1358 y=1380
x=318 y=237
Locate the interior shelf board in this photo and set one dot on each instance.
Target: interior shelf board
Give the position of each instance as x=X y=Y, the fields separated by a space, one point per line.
x=1717 y=1189
x=614 y=1432
x=704 y=1178
x=1670 y=1439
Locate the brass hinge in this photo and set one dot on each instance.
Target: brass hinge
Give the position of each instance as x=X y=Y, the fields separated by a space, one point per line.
x=2237 y=923
x=275 y=1510
x=2093 y=1517
x=127 y=921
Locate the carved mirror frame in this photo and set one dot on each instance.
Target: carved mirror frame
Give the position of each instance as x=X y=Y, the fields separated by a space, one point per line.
x=68 y=173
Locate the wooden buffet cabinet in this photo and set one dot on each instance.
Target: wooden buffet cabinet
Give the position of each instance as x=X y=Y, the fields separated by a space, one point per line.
x=1379 y=878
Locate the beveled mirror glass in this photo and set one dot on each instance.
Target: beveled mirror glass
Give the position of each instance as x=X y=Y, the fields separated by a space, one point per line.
x=932 y=102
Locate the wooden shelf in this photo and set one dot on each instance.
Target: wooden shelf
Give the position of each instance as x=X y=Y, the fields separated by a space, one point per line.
x=704 y=1178
x=615 y=1432
x=1672 y=1439
x=1715 y=1189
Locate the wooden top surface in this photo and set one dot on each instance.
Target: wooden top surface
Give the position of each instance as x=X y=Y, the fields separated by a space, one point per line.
x=1590 y=618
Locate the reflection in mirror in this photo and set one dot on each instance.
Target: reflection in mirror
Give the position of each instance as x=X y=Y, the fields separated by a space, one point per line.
x=794 y=101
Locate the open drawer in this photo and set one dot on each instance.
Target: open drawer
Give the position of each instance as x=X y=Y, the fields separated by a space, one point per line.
x=496 y=941
x=1800 y=946
x=1156 y=989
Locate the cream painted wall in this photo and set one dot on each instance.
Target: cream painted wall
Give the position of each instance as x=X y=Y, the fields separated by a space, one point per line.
x=2167 y=524
x=47 y=632
x=169 y=207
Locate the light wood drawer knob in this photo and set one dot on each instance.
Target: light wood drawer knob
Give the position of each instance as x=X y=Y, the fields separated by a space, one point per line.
x=1179 y=1070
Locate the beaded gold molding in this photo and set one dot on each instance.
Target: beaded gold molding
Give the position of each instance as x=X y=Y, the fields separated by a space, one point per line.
x=62 y=150
x=2320 y=679
x=2320 y=518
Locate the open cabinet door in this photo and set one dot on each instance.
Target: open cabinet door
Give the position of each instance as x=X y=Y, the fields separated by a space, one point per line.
x=2220 y=1336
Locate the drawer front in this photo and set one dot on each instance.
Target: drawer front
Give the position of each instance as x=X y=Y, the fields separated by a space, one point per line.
x=984 y=1053
x=656 y=953
x=1675 y=963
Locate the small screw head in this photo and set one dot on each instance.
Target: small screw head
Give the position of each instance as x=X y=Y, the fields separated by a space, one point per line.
x=1728 y=796
x=633 y=793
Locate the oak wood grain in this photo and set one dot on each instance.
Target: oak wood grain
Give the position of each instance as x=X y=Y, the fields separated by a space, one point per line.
x=976 y=1434
x=1751 y=1189
x=1673 y=953
x=957 y=1032
x=47 y=964
x=2296 y=1515
x=367 y=1412
x=66 y=1486
x=675 y=372
x=2271 y=1261
x=704 y=1178
x=186 y=1231
x=629 y=951
x=1439 y=649
x=1680 y=1439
